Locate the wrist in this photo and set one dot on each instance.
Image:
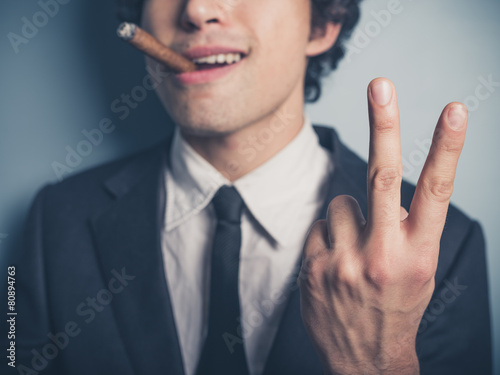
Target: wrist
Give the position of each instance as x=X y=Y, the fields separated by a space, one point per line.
x=400 y=362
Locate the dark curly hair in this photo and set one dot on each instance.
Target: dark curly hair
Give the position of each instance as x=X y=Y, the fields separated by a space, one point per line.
x=345 y=12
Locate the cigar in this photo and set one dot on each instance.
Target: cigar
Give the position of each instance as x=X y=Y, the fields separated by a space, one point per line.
x=151 y=46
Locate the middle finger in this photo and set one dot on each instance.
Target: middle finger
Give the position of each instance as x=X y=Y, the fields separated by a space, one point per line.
x=384 y=163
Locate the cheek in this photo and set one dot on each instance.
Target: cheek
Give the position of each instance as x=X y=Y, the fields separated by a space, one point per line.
x=282 y=35
x=281 y=60
x=158 y=18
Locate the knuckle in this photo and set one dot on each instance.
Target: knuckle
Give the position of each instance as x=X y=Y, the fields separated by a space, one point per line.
x=387 y=178
x=449 y=147
x=316 y=230
x=378 y=273
x=446 y=140
x=341 y=205
x=315 y=254
x=342 y=200
x=423 y=271
x=439 y=189
x=312 y=273
x=316 y=239
x=345 y=273
x=424 y=264
x=384 y=126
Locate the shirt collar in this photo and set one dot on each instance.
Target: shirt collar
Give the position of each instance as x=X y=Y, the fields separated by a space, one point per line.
x=272 y=192
x=191 y=183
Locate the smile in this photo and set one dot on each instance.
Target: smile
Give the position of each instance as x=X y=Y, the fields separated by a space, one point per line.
x=211 y=68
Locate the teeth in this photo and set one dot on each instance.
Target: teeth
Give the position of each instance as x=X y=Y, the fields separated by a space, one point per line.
x=228 y=58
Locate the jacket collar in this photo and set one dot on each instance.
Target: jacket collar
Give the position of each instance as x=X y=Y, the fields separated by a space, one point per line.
x=128 y=234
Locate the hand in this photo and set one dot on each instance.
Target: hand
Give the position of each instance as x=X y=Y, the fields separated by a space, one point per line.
x=365 y=284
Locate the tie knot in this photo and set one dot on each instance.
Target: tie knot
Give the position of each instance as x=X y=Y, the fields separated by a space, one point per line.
x=228 y=204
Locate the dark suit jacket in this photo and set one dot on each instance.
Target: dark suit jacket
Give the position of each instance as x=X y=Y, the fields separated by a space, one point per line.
x=91 y=277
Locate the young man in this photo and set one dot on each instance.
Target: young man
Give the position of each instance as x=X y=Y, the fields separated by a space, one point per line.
x=185 y=259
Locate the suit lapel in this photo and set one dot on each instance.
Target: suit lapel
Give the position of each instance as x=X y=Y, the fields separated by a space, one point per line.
x=349 y=176
x=292 y=351
x=128 y=237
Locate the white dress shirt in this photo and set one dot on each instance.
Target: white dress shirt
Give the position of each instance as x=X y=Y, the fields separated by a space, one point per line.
x=282 y=199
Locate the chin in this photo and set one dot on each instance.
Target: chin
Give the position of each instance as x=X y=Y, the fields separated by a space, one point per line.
x=206 y=130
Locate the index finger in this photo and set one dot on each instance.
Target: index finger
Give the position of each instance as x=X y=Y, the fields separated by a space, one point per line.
x=384 y=164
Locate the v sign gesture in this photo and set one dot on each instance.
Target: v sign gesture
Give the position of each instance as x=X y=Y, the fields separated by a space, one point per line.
x=369 y=280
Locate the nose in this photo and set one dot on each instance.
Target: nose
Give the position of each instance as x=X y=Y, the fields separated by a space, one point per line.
x=198 y=14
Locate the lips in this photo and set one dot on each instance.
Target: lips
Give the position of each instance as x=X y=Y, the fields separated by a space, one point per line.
x=207 y=73
x=214 y=62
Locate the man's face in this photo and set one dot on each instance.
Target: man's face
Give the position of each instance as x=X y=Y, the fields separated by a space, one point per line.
x=274 y=38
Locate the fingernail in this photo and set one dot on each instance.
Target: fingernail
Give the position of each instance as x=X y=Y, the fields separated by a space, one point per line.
x=456 y=117
x=381 y=92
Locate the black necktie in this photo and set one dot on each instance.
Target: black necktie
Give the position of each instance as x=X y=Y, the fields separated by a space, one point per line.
x=223 y=351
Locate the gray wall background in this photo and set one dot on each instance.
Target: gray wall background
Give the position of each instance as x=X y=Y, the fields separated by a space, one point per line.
x=64 y=79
